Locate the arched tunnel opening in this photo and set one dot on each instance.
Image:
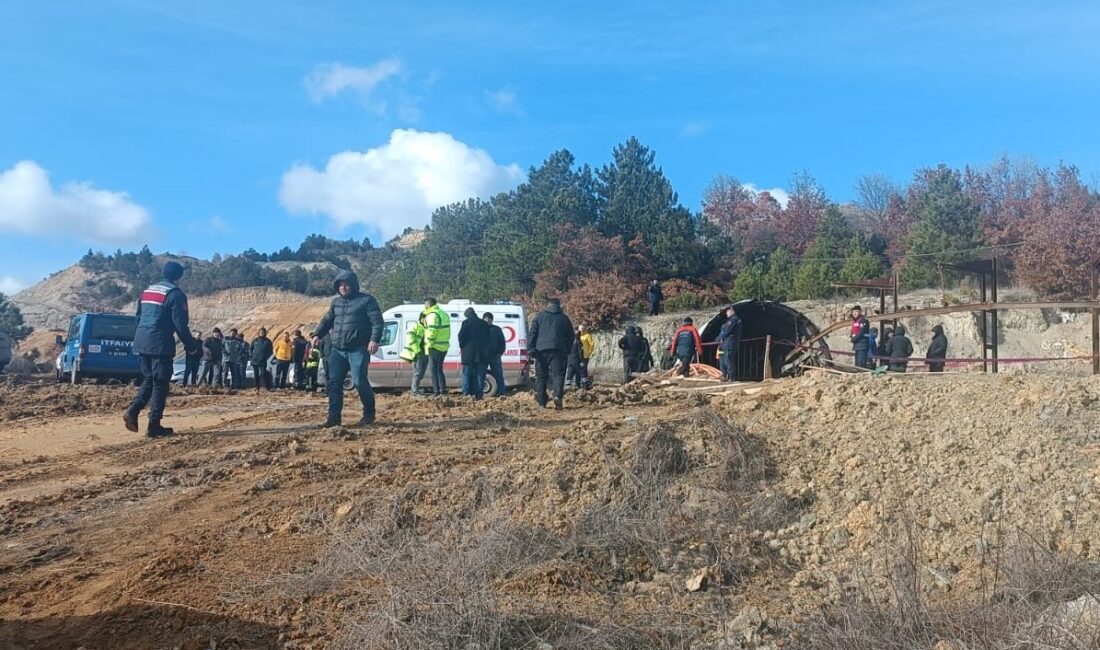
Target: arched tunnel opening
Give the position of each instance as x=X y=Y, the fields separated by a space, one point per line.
x=761 y=318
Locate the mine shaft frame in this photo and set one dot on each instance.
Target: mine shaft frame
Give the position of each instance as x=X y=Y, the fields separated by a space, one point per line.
x=989 y=306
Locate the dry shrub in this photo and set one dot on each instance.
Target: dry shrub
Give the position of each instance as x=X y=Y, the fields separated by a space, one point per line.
x=1035 y=599
x=599 y=300
x=681 y=295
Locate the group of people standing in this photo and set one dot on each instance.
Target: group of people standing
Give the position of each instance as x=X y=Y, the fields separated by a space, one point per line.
x=222 y=360
x=894 y=348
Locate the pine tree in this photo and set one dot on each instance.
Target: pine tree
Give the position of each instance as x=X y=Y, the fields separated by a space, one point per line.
x=946 y=226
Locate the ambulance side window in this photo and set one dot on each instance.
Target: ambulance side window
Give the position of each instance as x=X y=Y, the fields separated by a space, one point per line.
x=389 y=334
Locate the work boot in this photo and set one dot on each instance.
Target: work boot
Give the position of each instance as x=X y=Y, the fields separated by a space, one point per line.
x=155 y=430
x=557 y=404
x=330 y=423
x=365 y=421
x=129 y=420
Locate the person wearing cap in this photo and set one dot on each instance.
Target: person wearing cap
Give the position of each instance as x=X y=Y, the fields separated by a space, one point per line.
x=161 y=315
x=858 y=335
x=686 y=345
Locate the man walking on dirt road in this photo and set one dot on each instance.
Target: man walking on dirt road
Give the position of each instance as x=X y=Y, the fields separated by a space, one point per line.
x=355 y=322
x=161 y=315
x=548 y=341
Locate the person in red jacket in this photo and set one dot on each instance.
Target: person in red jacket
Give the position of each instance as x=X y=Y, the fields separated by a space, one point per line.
x=686 y=345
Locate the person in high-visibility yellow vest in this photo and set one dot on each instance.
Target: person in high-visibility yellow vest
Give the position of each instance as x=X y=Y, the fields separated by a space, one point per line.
x=437 y=340
x=414 y=353
x=313 y=363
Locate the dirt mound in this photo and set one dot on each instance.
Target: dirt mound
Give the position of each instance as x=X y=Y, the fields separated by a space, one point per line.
x=967 y=460
x=21 y=399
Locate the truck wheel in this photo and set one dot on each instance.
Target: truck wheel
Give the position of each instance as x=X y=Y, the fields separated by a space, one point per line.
x=490 y=388
x=348 y=385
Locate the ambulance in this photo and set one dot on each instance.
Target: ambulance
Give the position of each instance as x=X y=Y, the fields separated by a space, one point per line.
x=388 y=370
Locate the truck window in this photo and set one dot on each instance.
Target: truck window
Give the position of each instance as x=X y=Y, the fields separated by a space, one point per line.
x=113 y=329
x=389 y=334
x=74 y=330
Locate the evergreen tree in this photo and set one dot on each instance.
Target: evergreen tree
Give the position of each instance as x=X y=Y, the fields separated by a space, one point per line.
x=946 y=226
x=779 y=280
x=635 y=198
x=750 y=283
x=11 y=320
x=861 y=262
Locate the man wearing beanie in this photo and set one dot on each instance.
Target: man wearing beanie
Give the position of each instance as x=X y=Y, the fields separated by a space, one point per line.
x=161 y=314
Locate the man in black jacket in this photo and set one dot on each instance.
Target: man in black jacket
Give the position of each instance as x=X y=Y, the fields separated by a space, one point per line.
x=899 y=348
x=653 y=293
x=259 y=354
x=231 y=358
x=298 y=357
x=213 y=349
x=192 y=360
x=548 y=341
x=937 y=350
x=353 y=324
x=473 y=342
x=161 y=315
x=497 y=347
x=635 y=349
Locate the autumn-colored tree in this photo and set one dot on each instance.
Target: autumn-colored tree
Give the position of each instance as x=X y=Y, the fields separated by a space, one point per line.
x=796 y=226
x=598 y=299
x=1061 y=236
x=584 y=251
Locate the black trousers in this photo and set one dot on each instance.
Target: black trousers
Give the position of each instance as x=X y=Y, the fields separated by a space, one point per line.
x=549 y=367
x=685 y=364
x=212 y=372
x=935 y=366
x=439 y=377
x=282 y=368
x=299 y=374
x=261 y=376
x=631 y=365
x=191 y=371
x=156 y=375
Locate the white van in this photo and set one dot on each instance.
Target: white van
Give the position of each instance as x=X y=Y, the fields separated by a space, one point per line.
x=388 y=370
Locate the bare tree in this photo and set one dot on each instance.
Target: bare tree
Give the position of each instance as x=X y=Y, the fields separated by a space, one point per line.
x=873 y=194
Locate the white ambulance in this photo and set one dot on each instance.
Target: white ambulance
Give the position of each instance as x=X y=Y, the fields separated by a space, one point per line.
x=388 y=370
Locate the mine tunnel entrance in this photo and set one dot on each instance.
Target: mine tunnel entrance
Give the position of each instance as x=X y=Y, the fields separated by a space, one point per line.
x=760 y=318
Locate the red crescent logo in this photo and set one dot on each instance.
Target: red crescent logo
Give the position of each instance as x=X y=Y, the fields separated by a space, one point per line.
x=509 y=333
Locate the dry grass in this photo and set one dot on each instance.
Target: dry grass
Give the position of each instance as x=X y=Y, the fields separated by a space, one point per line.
x=1033 y=598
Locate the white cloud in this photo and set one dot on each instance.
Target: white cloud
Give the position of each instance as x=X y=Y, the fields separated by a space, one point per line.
x=10 y=286
x=504 y=101
x=396 y=185
x=777 y=193
x=30 y=205
x=331 y=79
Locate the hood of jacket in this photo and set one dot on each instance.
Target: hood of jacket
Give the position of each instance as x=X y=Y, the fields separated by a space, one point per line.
x=938 y=330
x=470 y=313
x=172 y=271
x=900 y=331
x=350 y=278
x=552 y=308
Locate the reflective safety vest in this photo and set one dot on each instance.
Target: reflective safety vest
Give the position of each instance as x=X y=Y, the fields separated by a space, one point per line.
x=437 y=330
x=313 y=359
x=414 y=344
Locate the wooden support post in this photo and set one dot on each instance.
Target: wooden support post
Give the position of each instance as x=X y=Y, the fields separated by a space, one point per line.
x=1095 y=341
x=768 y=357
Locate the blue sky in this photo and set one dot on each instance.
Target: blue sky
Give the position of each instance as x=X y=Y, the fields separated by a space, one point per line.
x=211 y=126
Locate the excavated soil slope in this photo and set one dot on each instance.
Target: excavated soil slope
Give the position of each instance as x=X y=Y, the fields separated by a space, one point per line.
x=631 y=519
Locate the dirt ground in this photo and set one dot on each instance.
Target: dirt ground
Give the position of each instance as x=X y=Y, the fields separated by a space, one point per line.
x=631 y=519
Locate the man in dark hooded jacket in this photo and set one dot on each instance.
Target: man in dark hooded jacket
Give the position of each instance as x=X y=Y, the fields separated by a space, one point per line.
x=353 y=324
x=161 y=315
x=635 y=348
x=548 y=341
x=898 y=349
x=937 y=350
x=474 y=344
x=498 y=345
